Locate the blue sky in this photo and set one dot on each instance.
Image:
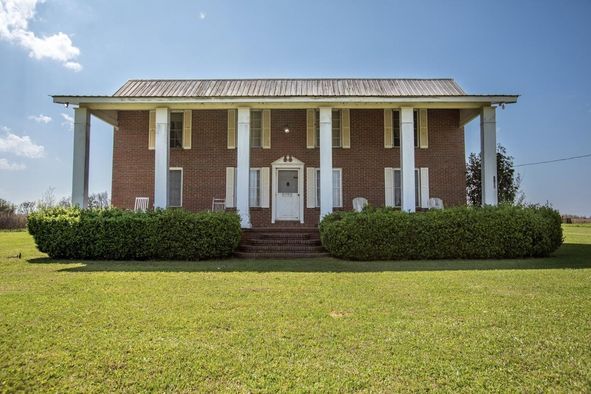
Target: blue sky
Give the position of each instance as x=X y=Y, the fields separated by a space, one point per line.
x=539 y=49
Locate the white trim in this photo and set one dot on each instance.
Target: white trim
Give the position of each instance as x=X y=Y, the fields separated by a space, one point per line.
x=259 y=169
x=282 y=165
x=182 y=184
x=492 y=99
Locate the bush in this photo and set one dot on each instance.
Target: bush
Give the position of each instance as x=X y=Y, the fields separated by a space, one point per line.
x=115 y=234
x=456 y=233
x=12 y=221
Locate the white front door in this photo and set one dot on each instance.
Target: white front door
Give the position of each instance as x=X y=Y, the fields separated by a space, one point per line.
x=288 y=194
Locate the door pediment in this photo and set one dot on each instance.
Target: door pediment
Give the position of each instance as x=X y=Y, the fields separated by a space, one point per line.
x=287 y=160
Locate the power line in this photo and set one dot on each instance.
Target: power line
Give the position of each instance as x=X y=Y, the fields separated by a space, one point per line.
x=553 y=161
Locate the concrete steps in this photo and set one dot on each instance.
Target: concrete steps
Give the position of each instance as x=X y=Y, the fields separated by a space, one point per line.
x=282 y=243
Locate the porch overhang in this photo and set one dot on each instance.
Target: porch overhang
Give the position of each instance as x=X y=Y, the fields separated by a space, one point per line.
x=109 y=103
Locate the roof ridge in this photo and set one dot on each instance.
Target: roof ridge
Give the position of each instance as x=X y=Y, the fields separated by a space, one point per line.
x=295 y=78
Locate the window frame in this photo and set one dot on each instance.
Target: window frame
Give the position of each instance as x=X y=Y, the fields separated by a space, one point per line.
x=181 y=186
x=340 y=187
x=170 y=136
x=396 y=137
x=339 y=133
x=259 y=129
x=417 y=187
x=258 y=187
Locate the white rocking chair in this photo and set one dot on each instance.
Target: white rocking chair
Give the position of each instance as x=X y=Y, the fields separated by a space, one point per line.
x=359 y=203
x=141 y=204
x=218 y=205
x=435 y=203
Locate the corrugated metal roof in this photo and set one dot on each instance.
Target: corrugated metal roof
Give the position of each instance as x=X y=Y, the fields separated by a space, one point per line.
x=290 y=88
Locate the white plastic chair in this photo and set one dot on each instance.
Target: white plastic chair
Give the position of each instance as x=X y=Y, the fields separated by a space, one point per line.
x=359 y=203
x=218 y=205
x=435 y=203
x=141 y=204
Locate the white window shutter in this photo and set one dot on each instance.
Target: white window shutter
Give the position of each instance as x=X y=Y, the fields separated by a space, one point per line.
x=265 y=186
x=152 y=130
x=424 y=187
x=389 y=186
x=388 y=131
x=311 y=128
x=423 y=128
x=187 y=128
x=266 y=120
x=310 y=187
x=230 y=182
x=345 y=128
x=231 y=129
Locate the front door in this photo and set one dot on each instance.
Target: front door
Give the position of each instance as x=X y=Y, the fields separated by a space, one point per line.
x=288 y=195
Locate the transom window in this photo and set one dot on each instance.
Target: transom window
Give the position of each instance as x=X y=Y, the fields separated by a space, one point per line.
x=336 y=128
x=337 y=188
x=398 y=187
x=396 y=127
x=176 y=129
x=256 y=128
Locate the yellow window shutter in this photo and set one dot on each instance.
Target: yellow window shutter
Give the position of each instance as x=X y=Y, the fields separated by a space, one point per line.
x=230 y=181
x=152 y=130
x=310 y=128
x=266 y=129
x=231 y=129
x=345 y=128
x=265 y=186
x=311 y=187
x=388 y=131
x=423 y=128
x=187 y=128
x=424 y=180
x=389 y=186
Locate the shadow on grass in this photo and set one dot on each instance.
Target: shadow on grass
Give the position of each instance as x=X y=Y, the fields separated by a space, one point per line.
x=573 y=256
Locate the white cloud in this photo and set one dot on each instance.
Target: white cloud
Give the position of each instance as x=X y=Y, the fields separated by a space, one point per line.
x=20 y=146
x=10 y=166
x=202 y=15
x=40 y=118
x=68 y=121
x=14 y=27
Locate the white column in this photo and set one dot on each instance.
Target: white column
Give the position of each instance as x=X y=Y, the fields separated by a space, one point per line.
x=488 y=152
x=326 y=202
x=161 y=162
x=81 y=156
x=243 y=166
x=407 y=159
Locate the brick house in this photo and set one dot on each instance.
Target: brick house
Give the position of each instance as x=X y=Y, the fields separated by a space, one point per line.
x=287 y=151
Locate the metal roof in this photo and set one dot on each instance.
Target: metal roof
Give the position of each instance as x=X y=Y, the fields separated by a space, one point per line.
x=209 y=88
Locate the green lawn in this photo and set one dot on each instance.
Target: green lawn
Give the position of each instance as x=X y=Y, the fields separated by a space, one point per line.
x=317 y=325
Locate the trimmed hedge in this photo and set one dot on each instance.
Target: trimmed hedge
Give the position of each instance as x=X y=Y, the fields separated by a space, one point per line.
x=114 y=234
x=456 y=233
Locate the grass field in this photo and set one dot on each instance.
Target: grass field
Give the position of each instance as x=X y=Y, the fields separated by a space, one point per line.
x=311 y=325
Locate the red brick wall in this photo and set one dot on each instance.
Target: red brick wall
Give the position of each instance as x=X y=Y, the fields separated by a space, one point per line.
x=204 y=166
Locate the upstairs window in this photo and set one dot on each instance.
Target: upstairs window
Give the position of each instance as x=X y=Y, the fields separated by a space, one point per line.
x=396 y=127
x=256 y=128
x=336 y=128
x=176 y=129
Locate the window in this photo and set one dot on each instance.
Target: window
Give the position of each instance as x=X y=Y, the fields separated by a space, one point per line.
x=175 y=187
x=336 y=128
x=256 y=128
x=337 y=188
x=254 y=187
x=396 y=127
x=176 y=129
x=398 y=188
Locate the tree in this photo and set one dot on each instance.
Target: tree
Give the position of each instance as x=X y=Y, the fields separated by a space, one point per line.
x=99 y=200
x=26 y=207
x=508 y=181
x=6 y=206
x=47 y=199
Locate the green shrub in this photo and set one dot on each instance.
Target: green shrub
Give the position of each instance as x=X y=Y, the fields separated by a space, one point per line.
x=115 y=234
x=456 y=233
